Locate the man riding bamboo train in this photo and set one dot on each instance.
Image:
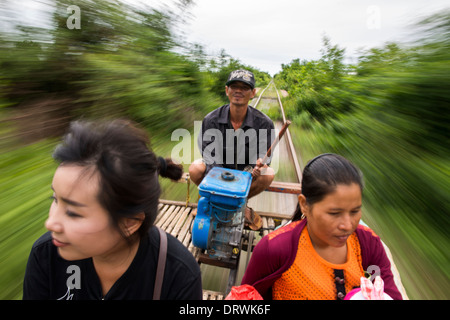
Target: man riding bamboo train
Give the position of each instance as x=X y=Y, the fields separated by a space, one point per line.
x=237 y=136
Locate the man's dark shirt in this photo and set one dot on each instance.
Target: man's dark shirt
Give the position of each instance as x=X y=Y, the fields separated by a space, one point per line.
x=48 y=276
x=222 y=146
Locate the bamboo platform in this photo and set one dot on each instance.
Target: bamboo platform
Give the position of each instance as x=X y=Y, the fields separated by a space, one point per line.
x=175 y=217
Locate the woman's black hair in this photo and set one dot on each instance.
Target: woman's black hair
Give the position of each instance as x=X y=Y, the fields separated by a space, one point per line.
x=118 y=150
x=322 y=175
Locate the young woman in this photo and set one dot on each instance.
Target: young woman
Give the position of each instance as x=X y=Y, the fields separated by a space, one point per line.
x=101 y=243
x=324 y=252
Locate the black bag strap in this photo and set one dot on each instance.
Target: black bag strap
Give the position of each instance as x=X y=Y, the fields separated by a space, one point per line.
x=161 y=264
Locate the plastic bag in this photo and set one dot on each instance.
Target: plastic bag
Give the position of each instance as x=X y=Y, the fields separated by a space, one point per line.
x=244 y=292
x=369 y=291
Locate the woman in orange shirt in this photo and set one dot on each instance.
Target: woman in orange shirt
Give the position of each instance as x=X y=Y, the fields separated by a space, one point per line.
x=324 y=252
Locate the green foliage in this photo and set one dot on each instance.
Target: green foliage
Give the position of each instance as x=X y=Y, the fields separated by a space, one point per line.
x=389 y=114
x=123 y=62
x=315 y=87
x=25 y=179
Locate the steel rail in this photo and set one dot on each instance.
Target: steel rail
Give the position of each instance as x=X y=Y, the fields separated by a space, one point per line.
x=293 y=154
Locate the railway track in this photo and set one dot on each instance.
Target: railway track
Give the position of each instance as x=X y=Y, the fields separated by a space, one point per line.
x=275 y=206
x=285 y=163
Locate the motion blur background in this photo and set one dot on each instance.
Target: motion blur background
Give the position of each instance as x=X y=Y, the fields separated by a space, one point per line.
x=387 y=111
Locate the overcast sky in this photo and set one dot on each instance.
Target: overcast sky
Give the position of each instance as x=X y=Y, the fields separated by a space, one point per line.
x=267 y=33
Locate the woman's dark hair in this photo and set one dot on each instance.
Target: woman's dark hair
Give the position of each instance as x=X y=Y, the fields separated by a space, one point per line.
x=322 y=175
x=118 y=150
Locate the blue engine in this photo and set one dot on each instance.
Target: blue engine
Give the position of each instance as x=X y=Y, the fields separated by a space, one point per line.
x=219 y=222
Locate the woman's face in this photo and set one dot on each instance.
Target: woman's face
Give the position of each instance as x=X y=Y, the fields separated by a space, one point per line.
x=81 y=228
x=332 y=220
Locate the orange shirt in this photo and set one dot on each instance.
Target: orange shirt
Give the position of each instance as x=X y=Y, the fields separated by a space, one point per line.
x=311 y=277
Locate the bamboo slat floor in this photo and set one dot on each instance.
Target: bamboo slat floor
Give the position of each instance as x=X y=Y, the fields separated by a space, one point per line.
x=176 y=219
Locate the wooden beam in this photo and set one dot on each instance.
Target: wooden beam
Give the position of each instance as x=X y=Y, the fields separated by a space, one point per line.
x=225 y=263
x=276 y=186
x=274 y=215
x=285 y=187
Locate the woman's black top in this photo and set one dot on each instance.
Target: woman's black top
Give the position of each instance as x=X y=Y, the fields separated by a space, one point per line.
x=48 y=276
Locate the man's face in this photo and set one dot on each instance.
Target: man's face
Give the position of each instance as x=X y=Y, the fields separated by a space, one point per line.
x=239 y=93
